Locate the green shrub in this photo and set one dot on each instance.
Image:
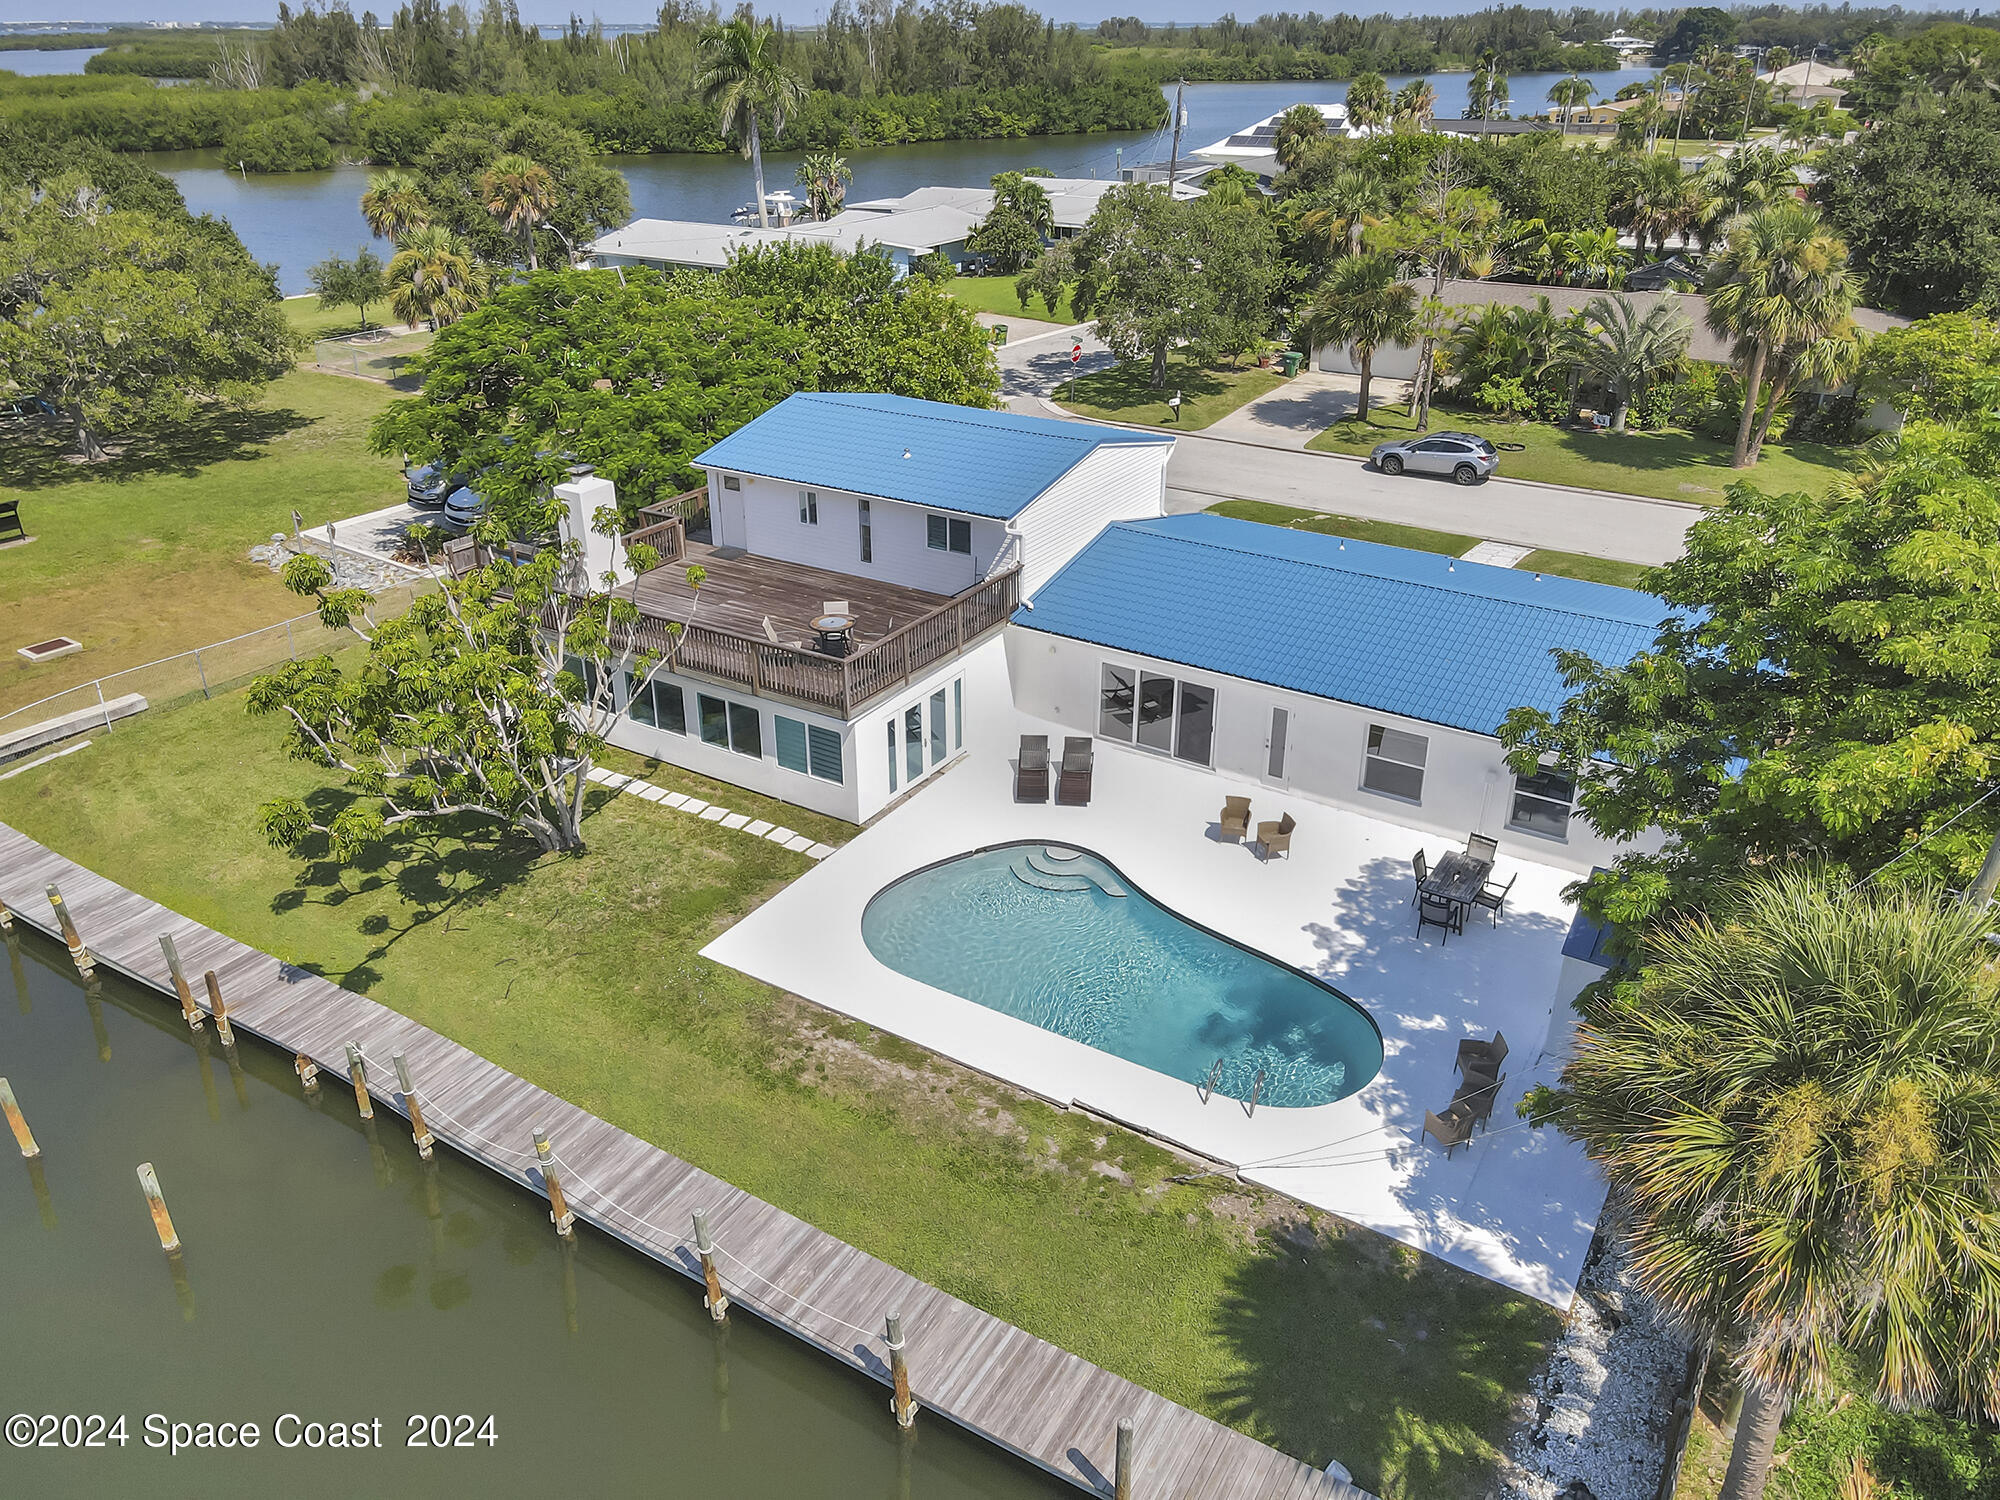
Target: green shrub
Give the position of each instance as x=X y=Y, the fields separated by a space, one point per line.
x=286 y=144
x=1920 y=1455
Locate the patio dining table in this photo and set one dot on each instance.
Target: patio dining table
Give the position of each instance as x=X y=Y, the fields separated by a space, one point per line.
x=1459 y=877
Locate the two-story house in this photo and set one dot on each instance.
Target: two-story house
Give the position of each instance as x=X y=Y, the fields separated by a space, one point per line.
x=862 y=555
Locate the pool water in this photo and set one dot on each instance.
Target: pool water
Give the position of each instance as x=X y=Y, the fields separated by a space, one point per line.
x=1059 y=938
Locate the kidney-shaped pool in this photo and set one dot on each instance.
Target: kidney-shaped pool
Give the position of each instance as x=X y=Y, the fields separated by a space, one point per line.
x=1059 y=938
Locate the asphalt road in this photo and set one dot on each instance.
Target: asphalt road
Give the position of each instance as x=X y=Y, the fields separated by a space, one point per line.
x=1204 y=469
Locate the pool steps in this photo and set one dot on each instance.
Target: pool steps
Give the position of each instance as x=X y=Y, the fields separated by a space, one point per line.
x=1042 y=869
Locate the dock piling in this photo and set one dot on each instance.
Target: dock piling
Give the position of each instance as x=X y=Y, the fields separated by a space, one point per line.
x=217 y=1009
x=358 y=1071
x=308 y=1072
x=79 y=955
x=19 y=1122
x=559 y=1213
x=1122 y=1485
x=712 y=1297
x=6 y=917
x=93 y=1001
x=189 y=1011
x=419 y=1132
x=899 y=1371
x=149 y=1183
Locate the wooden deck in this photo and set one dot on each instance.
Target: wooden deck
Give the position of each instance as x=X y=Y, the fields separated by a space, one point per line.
x=1025 y=1395
x=742 y=591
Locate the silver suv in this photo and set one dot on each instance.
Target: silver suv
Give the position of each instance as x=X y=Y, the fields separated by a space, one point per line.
x=1465 y=458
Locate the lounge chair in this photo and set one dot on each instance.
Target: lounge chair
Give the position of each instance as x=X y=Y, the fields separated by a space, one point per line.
x=1276 y=838
x=1493 y=897
x=1435 y=911
x=1235 y=818
x=1476 y=1096
x=1450 y=1130
x=1480 y=847
x=1422 y=866
x=1031 y=773
x=1073 y=782
x=1485 y=1056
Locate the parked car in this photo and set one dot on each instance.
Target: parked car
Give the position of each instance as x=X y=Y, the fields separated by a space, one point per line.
x=463 y=507
x=429 y=484
x=1465 y=458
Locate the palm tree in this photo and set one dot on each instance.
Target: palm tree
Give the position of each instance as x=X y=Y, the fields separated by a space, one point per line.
x=1487 y=90
x=1829 y=360
x=519 y=193
x=1345 y=209
x=1021 y=194
x=1798 y=1097
x=1658 y=201
x=1625 y=347
x=1533 y=249
x=1454 y=232
x=1367 y=100
x=1742 y=180
x=434 y=277
x=825 y=177
x=1298 y=127
x=1362 y=305
x=742 y=80
x=1780 y=280
x=1592 y=257
x=1415 y=102
x=394 y=205
x=1569 y=94
x=1964 y=70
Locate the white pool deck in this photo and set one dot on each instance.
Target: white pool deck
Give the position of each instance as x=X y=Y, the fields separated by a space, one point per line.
x=1519 y=1206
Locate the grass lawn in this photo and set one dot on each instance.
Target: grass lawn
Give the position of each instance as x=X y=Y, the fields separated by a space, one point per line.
x=1449 y=543
x=583 y=975
x=144 y=555
x=1124 y=393
x=996 y=295
x=1665 y=465
x=307 y=317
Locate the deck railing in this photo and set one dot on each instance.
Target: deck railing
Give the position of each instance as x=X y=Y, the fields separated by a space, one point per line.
x=839 y=685
x=667 y=523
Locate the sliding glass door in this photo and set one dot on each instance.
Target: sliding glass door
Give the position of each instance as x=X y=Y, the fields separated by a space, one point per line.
x=1157 y=712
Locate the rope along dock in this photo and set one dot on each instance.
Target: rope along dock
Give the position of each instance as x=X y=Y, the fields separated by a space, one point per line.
x=1025 y=1395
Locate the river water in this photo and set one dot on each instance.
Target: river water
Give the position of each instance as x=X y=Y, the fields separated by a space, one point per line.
x=31 y=64
x=331 y=1275
x=295 y=219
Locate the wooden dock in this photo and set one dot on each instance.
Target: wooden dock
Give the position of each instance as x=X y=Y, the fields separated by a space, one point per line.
x=1027 y=1396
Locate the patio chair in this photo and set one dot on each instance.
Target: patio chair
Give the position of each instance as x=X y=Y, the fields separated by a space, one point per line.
x=1423 y=868
x=11 y=529
x=1480 y=847
x=1276 y=838
x=1493 y=897
x=835 y=607
x=1477 y=1094
x=1235 y=819
x=1031 y=773
x=1436 y=911
x=1073 y=782
x=1450 y=1130
x=1484 y=1056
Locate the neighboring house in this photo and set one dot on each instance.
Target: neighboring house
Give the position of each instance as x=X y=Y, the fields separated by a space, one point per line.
x=925 y=524
x=1370 y=677
x=1255 y=147
x=1399 y=361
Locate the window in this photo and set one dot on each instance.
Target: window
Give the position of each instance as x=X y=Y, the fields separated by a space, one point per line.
x=1114 y=704
x=585 y=672
x=1156 y=711
x=714 y=715
x=1281 y=723
x=657 y=703
x=811 y=750
x=745 y=724
x=867 y=534
x=1542 y=803
x=823 y=754
x=809 y=507
x=892 y=755
x=1197 y=724
x=938 y=745
x=958 y=713
x=791 y=738
x=948 y=534
x=913 y=741
x=731 y=482
x=1394 y=764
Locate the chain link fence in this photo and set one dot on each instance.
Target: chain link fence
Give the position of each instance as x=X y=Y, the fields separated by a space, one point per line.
x=377 y=354
x=175 y=681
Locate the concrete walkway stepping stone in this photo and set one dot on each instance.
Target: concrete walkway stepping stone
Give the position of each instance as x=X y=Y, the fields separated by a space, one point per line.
x=675 y=799
x=638 y=788
x=693 y=805
x=654 y=793
x=736 y=820
x=713 y=814
x=759 y=828
x=615 y=779
x=819 y=851
x=596 y=773
x=799 y=843
x=781 y=835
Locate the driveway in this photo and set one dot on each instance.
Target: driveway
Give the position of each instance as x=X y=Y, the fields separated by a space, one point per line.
x=1300 y=409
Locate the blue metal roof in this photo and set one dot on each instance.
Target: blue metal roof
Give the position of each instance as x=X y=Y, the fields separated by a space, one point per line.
x=958 y=458
x=1408 y=633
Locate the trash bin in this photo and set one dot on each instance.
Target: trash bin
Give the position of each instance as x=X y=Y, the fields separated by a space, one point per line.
x=1292 y=358
x=999 y=333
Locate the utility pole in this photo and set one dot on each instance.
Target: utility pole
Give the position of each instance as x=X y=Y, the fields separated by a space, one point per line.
x=1180 y=119
x=1750 y=92
x=1989 y=877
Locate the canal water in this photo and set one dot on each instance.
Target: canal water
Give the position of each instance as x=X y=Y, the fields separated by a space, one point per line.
x=332 y=1277
x=295 y=219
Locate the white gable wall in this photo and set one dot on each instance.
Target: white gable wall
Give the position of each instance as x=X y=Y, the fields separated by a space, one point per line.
x=1123 y=482
x=1467 y=787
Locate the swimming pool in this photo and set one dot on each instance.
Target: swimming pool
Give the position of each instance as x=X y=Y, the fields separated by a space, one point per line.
x=1059 y=938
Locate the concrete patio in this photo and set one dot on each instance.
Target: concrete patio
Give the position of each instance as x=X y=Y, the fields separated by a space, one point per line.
x=1519 y=1206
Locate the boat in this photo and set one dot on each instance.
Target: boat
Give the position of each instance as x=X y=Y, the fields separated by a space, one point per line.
x=1255 y=148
